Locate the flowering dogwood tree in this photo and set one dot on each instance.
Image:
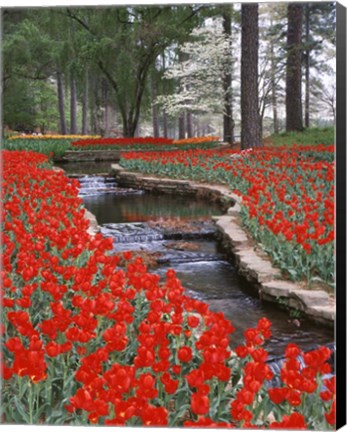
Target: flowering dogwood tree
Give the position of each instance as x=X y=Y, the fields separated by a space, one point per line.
x=200 y=77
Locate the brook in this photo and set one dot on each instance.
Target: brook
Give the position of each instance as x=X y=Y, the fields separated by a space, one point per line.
x=177 y=232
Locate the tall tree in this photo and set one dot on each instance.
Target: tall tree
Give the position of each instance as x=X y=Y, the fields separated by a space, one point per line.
x=73 y=104
x=250 y=119
x=73 y=83
x=165 y=119
x=228 y=121
x=85 y=99
x=202 y=74
x=125 y=42
x=61 y=103
x=273 y=88
x=155 y=113
x=307 y=65
x=293 y=73
x=319 y=22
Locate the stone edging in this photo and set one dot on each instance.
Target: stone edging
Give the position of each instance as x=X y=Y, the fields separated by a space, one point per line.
x=89 y=156
x=316 y=305
x=111 y=155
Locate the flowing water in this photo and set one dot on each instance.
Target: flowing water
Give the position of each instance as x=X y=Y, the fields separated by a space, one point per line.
x=127 y=215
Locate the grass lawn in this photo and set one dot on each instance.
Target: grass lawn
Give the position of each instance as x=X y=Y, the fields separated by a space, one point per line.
x=310 y=136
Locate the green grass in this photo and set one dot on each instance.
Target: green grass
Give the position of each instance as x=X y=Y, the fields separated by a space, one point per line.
x=309 y=136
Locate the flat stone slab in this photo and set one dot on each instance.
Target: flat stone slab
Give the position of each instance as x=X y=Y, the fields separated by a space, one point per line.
x=278 y=288
x=236 y=234
x=328 y=312
x=311 y=298
x=235 y=209
x=262 y=270
x=316 y=304
x=166 y=184
x=90 y=155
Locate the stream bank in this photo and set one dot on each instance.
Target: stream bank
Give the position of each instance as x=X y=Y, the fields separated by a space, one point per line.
x=317 y=305
x=172 y=231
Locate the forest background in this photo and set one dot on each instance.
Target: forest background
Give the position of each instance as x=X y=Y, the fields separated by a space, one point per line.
x=163 y=70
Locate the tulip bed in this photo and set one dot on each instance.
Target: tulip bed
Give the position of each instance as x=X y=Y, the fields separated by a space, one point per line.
x=198 y=140
x=287 y=198
x=53 y=137
x=148 y=143
x=85 y=342
x=57 y=145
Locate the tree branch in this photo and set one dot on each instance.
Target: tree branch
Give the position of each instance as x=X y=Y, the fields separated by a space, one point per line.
x=115 y=87
x=194 y=12
x=82 y=23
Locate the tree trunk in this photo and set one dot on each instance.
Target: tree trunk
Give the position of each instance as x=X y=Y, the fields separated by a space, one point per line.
x=73 y=105
x=228 y=122
x=307 y=66
x=293 y=77
x=137 y=132
x=155 y=117
x=273 y=86
x=130 y=127
x=181 y=127
x=189 y=120
x=182 y=56
x=61 y=105
x=85 y=105
x=165 y=121
x=106 y=119
x=250 y=120
x=197 y=125
x=165 y=125
x=130 y=115
x=96 y=119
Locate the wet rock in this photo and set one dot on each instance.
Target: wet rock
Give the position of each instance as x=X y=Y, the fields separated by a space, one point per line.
x=131 y=232
x=149 y=259
x=295 y=322
x=183 y=246
x=175 y=229
x=93 y=223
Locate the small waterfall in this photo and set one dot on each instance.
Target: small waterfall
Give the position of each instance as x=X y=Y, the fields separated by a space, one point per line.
x=97 y=184
x=276 y=365
x=94 y=185
x=131 y=232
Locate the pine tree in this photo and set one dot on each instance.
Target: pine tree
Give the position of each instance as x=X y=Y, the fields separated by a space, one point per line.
x=250 y=119
x=293 y=73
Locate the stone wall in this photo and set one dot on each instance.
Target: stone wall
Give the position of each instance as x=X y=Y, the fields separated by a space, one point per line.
x=106 y=155
x=89 y=156
x=317 y=303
